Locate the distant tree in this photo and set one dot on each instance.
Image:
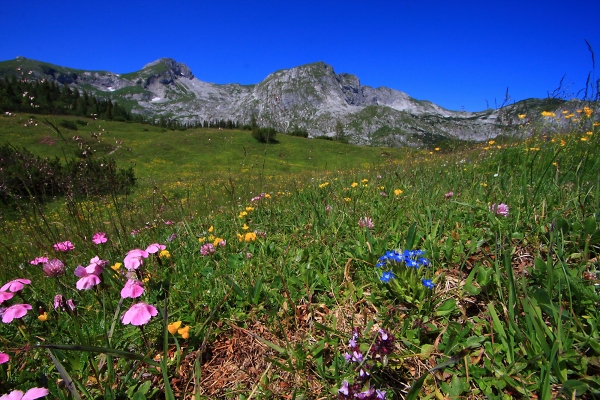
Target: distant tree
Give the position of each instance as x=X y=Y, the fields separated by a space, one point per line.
x=340 y=134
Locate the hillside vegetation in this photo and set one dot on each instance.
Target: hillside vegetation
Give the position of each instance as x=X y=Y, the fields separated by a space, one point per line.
x=307 y=269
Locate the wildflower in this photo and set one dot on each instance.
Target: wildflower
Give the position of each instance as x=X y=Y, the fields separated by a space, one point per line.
x=63 y=246
x=99 y=238
x=211 y=229
x=33 y=393
x=449 y=194
x=437 y=149
x=96 y=266
x=4 y=358
x=5 y=296
x=38 y=260
x=172 y=327
x=491 y=142
x=88 y=279
x=172 y=237
x=116 y=266
x=207 y=249
x=354 y=184
x=345 y=389
x=365 y=181
x=428 y=283
x=54 y=268
x=347 y=199
x=500 y=209
x=397 y=192
x=366 y=222
x=43 y=316
x=249 y=209
x=322 y=185
x=387 y=275
x=15 y=311
x=184 y=332
x=521 y=116
x=155 y=248
x=245 y=227
x=328 y=208
x=15 y=285
x=133 y=259
x=201 y=240
x=139 y=314
x=219 y=242
x=242 y=214
x=589 y=133
x=132 y=289
x=164 y=254
x=248 y=237
x=584 y=139
x=548 y=114
x=383 y=194
x=248 y=255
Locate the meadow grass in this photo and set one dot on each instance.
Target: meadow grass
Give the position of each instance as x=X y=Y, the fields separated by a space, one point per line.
x=278 y=279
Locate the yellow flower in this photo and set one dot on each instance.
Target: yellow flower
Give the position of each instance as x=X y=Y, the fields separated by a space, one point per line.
x=348 y=199
x=522 y=116
x=548 y=114
x=164 y=254
x=250 y=237
x=211 y=238
x=173 y=327
x=491 y=142
x=579 y=111
x=381 y=187
x=147 y=278
x=590 y=133
x=211 y=229
x=365 y=181
x=267 y=196
x=437 y=149
x=322 y=185
x=354 y=184
x=397 y=192
x=240 y=237
x=184 y=332
x=218 y=241
x=484 y=184
x=116 y=267
x=588 y=111
x=565 y=112
x=562 y=142
x=249 y=209
x=43 y=317
x=242 y=214
x=245 y=227
x=201 y=240
x=583 y=139
x=499 y=147
x=596 y=124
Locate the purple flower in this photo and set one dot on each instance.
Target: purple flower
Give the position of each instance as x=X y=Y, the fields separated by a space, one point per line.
x=207 y=249
x=53 y=268
x=38 y=260
x=15 y=285
x=88 y=275
x=64 y=246
x=449 y=194
x=133 y=259
x=366 y=222
x=59 y=301
x=155 y=248
x=500 y=209
x=139 y=314
x=5 y=296
x=345 y=390
x=133 y=288
x=99 y=238
x=15 y=311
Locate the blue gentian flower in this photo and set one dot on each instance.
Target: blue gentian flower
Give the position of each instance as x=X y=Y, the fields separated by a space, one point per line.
x=387 y=275
x=428 y=283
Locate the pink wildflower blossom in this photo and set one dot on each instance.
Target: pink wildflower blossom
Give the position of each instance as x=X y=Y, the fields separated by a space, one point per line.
x=33 y=393
x=449 y=194
x=15 y=311
x=139 y=314
x=38 y=260
x=4 y=358
x=366 y=222
x=99 y=238
x=5 y=296
x=15 y=285
x=155 y=248
x=500 y=209
x=133 y=288
x=64 y=246
x=133 y=259
x=96 y=266
x=207 y=249
x=53 y=268
x=88 y=276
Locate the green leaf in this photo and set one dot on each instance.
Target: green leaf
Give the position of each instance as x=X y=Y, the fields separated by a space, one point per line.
x=589 y=225
x=446 y=308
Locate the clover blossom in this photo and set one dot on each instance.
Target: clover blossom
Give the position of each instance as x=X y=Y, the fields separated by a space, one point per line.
x=366 y=222
x=207 y=249
x=53 y=268
x=500 y=209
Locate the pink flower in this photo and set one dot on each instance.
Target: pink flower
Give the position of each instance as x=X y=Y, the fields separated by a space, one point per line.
x=38 y=260
x=88 y=276
x=500 y=209
x=366 y=222
x=207 y=249
x=99 y=238
x=59 y=301
x=15 y=285
x=15 y=311
x=133 y=259
x=53 y=268
x=133 y=289
x=4 y=358
x=33 y=393
x=449 y=194
x=139 y=314
x=96 y=266
x=5 y=296
x=155 y=248
x=64 y=246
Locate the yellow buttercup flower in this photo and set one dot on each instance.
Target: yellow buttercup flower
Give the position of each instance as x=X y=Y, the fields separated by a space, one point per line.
x=184 y=332
x=164 y=254
x=347 y=199
x=211 y=229
x=250 y=237
x=242 y=214
x=172 y=327
x=590 y=133
x=365 y=181
x=354 y=184
x=583 y=139
x=397 y=192
x=116 y=267
x=548 y=114
x=245 y=227
x=43 y=317
x=201 y=240
x=249 y=209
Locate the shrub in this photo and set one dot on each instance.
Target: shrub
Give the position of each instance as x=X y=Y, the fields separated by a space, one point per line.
x=298 y=132
x=264 y=135
x=68 y=124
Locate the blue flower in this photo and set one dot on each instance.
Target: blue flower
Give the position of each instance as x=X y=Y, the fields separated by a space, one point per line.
x=387 y=275
x=428 y=283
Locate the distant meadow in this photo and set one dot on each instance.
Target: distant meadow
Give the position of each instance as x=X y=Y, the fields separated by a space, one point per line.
x=140 y=262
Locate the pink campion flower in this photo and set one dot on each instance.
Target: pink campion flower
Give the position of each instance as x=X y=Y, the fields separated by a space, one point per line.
x=155 y=248
x=366 y=222
x=207 y=249
x=15 y=311
x=64 y=246
x=38 y=260
x=99 y=238
x=5 y=296
x=53 y=268
x=15 y=285
x=449 y=194
x=139 y=314
x=71 y=305
x=33 y=393
x=4 y=358
x=88 y=277
x=500 y=209
x=96 y=266
x=133 y=259
x=59 y=301
x=133 y=288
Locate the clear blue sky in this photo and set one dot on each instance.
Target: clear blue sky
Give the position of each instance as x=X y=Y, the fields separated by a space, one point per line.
x=455 y=54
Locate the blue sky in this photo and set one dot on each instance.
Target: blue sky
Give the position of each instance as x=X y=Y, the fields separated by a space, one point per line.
x=455 y=54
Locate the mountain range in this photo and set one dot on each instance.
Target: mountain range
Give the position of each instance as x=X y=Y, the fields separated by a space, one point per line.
x=312 y=97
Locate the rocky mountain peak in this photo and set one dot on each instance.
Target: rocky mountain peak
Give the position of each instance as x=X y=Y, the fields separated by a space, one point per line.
x=169 y=68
